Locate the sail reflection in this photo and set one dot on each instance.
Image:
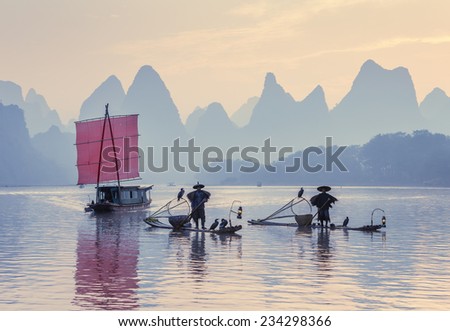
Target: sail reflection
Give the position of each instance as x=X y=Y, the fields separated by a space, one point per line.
x=107 y=257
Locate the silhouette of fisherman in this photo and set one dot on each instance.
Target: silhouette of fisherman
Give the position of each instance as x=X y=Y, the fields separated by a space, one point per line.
x=198 y=198
x=323 y=203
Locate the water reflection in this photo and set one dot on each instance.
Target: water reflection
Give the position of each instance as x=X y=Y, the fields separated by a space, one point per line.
x=179 y=242
x=198 y=257
x=323 y=252
x=227 y=240
x=81 y=263
x=193 y=250
x=107 y=257
x=304 y=231
x=321 y=247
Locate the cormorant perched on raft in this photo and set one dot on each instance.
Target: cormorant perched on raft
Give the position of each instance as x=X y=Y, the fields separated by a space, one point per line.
x=180 y=194
x=223 y=223
x=345 y=221
x=215 y=224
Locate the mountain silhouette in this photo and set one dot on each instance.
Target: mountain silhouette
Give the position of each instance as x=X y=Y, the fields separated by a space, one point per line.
x=20 y=163
x=273 y=107
x=286 y=121
x=109 y=92
x=192 y=120
x=380 y=101
x=38 y=115
x=241 y=117
x=312 y=119
x=272 y=115
x=436 y=110
x=11 y=94
x=214 y=128
x=159 y=122
x=159 y=119
x=57 y=147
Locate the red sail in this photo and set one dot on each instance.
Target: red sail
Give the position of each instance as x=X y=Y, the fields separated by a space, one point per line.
x=89 y=141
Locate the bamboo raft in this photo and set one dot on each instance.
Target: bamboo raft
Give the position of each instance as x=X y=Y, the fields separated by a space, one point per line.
x=182 y=222
x=155 y=223
x=367 y=228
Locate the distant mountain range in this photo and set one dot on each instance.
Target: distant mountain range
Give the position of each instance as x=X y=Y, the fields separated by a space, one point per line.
x=20 y=162
x=38 y=115
x=397 y=159
x=380 y=101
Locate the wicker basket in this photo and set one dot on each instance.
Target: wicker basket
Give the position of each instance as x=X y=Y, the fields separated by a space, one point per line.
x=177 y=220
x=304 y=220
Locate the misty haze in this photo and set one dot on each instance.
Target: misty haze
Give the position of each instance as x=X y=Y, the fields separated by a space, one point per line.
x=225 y=159
x=380 y=106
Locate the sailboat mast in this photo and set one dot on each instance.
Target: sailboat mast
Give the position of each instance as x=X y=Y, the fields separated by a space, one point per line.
x=101 y=149
x=115 y=155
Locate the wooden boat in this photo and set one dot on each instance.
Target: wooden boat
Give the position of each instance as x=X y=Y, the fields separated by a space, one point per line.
x=155 y=223
x=117 y=198
x=107 y=152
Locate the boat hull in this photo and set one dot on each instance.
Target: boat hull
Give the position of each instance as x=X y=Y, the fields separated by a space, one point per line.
x=114 y=207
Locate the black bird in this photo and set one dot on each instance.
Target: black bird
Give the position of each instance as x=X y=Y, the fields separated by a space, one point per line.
x=300 y=193
x=345 y=221
x=215 y=224
x=223 y=224
x=180 y=194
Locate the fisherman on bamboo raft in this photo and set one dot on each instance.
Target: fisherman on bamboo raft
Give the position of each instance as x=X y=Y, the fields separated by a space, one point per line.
x=323 y=202
x=198 y=198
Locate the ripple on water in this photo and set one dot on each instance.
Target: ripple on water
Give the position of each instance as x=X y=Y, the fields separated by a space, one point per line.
x=53 y=256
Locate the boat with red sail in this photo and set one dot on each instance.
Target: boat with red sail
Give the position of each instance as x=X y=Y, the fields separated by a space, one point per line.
x=107 y=155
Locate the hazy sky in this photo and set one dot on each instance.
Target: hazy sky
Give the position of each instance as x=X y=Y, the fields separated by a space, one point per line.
x=219 y=50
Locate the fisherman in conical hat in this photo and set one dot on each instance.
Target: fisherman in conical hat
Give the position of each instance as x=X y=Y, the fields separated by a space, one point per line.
x=198 y=198
x=323 y=203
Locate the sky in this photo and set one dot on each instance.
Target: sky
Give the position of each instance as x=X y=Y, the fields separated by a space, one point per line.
x=219 y=51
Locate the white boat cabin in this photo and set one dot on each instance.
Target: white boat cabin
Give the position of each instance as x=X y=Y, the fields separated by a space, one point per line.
x=127 y=195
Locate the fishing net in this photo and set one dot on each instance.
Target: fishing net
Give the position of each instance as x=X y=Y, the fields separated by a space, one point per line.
x=301 y=206
x=174 y=208
x=298 y=208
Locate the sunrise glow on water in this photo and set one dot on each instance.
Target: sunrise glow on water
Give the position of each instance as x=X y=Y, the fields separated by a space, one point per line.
x=56 y=257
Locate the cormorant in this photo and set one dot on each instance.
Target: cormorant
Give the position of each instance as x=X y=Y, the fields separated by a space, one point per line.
x=223 y=223
x=345 y=221
x=215 y=224
x=300 y=193
x=180 y=194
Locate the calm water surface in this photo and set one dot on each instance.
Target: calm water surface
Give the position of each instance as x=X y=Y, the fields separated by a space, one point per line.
x=53 y=256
